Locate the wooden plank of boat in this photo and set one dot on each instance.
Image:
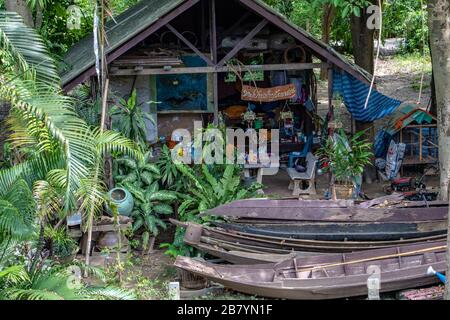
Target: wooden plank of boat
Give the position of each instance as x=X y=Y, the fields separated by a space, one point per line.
x=328 y=277
x=307 y=245
x=294 y=210
x=241 y=257
x=244 y=257
x=374 y=231
x=195 y=232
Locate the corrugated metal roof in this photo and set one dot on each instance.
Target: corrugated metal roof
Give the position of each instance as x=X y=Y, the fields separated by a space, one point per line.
x=405 y=115
x=127 y=25
x=134 y=20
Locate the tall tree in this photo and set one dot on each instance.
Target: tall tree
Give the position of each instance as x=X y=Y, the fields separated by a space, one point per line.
x=328 y=14
x=439 y=24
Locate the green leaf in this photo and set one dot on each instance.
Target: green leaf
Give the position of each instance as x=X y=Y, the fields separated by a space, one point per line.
x=162 y=196
x=147 y=177
x=163 y=208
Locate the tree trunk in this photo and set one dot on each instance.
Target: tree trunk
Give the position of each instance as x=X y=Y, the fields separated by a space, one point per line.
x=329 y=12
x=362 y=40
x=39 y=16
x=440 y=48
x=439 y=26
x=433 y=106
x=363 y=52
x=21 y=7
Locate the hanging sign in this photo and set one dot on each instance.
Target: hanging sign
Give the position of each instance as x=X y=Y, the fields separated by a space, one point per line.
x=250 y=93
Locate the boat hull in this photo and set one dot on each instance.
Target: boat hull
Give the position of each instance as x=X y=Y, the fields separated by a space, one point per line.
x=374 y=231
x=328 y=277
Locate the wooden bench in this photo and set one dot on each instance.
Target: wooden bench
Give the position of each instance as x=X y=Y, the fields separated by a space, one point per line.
x=309 y=175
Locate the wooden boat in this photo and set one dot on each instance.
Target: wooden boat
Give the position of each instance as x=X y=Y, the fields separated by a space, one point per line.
x=241 y=255
x=331 y=276
x=373 y=231
x=195 y=232
x=323 y=210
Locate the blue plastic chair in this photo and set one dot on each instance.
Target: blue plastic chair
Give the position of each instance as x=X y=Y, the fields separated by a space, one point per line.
x=301 y=154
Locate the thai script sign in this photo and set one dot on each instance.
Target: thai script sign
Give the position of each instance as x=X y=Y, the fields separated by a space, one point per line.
x=250 y=93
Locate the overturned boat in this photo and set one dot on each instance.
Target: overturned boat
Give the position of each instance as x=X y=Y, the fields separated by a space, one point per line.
x=196 y=234
x=330 y=276
x=331 y=231
x=268 y=210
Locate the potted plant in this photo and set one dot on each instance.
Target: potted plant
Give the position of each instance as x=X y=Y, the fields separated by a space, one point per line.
x=345 y=158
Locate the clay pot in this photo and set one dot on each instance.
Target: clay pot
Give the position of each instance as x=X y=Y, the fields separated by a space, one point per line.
x=123 y=199
x=110 y=240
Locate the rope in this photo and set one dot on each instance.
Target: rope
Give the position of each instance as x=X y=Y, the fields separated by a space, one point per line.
x=377 y=56
x=423 y=54
x=375 y=258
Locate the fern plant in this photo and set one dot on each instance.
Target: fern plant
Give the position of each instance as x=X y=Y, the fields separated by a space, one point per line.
x=170 y=175
x=208 y=188
x=132 y=119
x=141 y=178
x=17 y=213
x=208 y=192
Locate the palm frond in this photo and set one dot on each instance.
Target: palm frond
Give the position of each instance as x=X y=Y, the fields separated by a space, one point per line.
x=109 y=293
x=26 y=50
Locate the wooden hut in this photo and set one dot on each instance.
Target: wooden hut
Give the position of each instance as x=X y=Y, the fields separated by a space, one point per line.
x=183 y=53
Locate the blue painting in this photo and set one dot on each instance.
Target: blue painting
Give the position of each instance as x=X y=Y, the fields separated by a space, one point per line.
x=183 y=91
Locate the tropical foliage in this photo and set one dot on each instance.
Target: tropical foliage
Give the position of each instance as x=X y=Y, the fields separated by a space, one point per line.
x=401 y=19
x=141 y=178
x=54 y=151
x=208 y=188
x=346 y=157
x=132 y=119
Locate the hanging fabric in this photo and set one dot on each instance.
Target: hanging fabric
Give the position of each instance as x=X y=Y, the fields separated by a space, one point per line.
x=354 y=93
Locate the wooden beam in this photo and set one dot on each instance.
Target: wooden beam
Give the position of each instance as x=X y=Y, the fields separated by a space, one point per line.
x=189 y=44
x=213 y=44
x=241 y=44
x=330 y=95
x=320 y=51
x=114 y=54
x=222 y=69
x=237 y=24
x=213 y=30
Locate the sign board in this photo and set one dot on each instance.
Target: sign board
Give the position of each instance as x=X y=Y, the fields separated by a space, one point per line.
x=250 y=93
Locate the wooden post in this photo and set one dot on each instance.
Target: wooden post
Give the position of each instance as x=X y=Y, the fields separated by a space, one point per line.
x=331 y=129
x=213 y=45
x=330 y=91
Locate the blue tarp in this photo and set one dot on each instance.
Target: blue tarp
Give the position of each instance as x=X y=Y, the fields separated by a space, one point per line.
x=354 y=93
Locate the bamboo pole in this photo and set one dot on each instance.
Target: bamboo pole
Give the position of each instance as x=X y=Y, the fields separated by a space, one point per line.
x=91 y=213
x=104 y=95
x=395 y=255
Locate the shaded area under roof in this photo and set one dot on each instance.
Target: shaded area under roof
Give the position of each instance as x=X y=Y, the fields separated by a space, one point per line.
x=127 y=25
x=136 y=19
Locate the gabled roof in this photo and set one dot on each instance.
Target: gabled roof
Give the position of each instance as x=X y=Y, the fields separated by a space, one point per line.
x=408 y=114
x=79 y=62
x=127 y=25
